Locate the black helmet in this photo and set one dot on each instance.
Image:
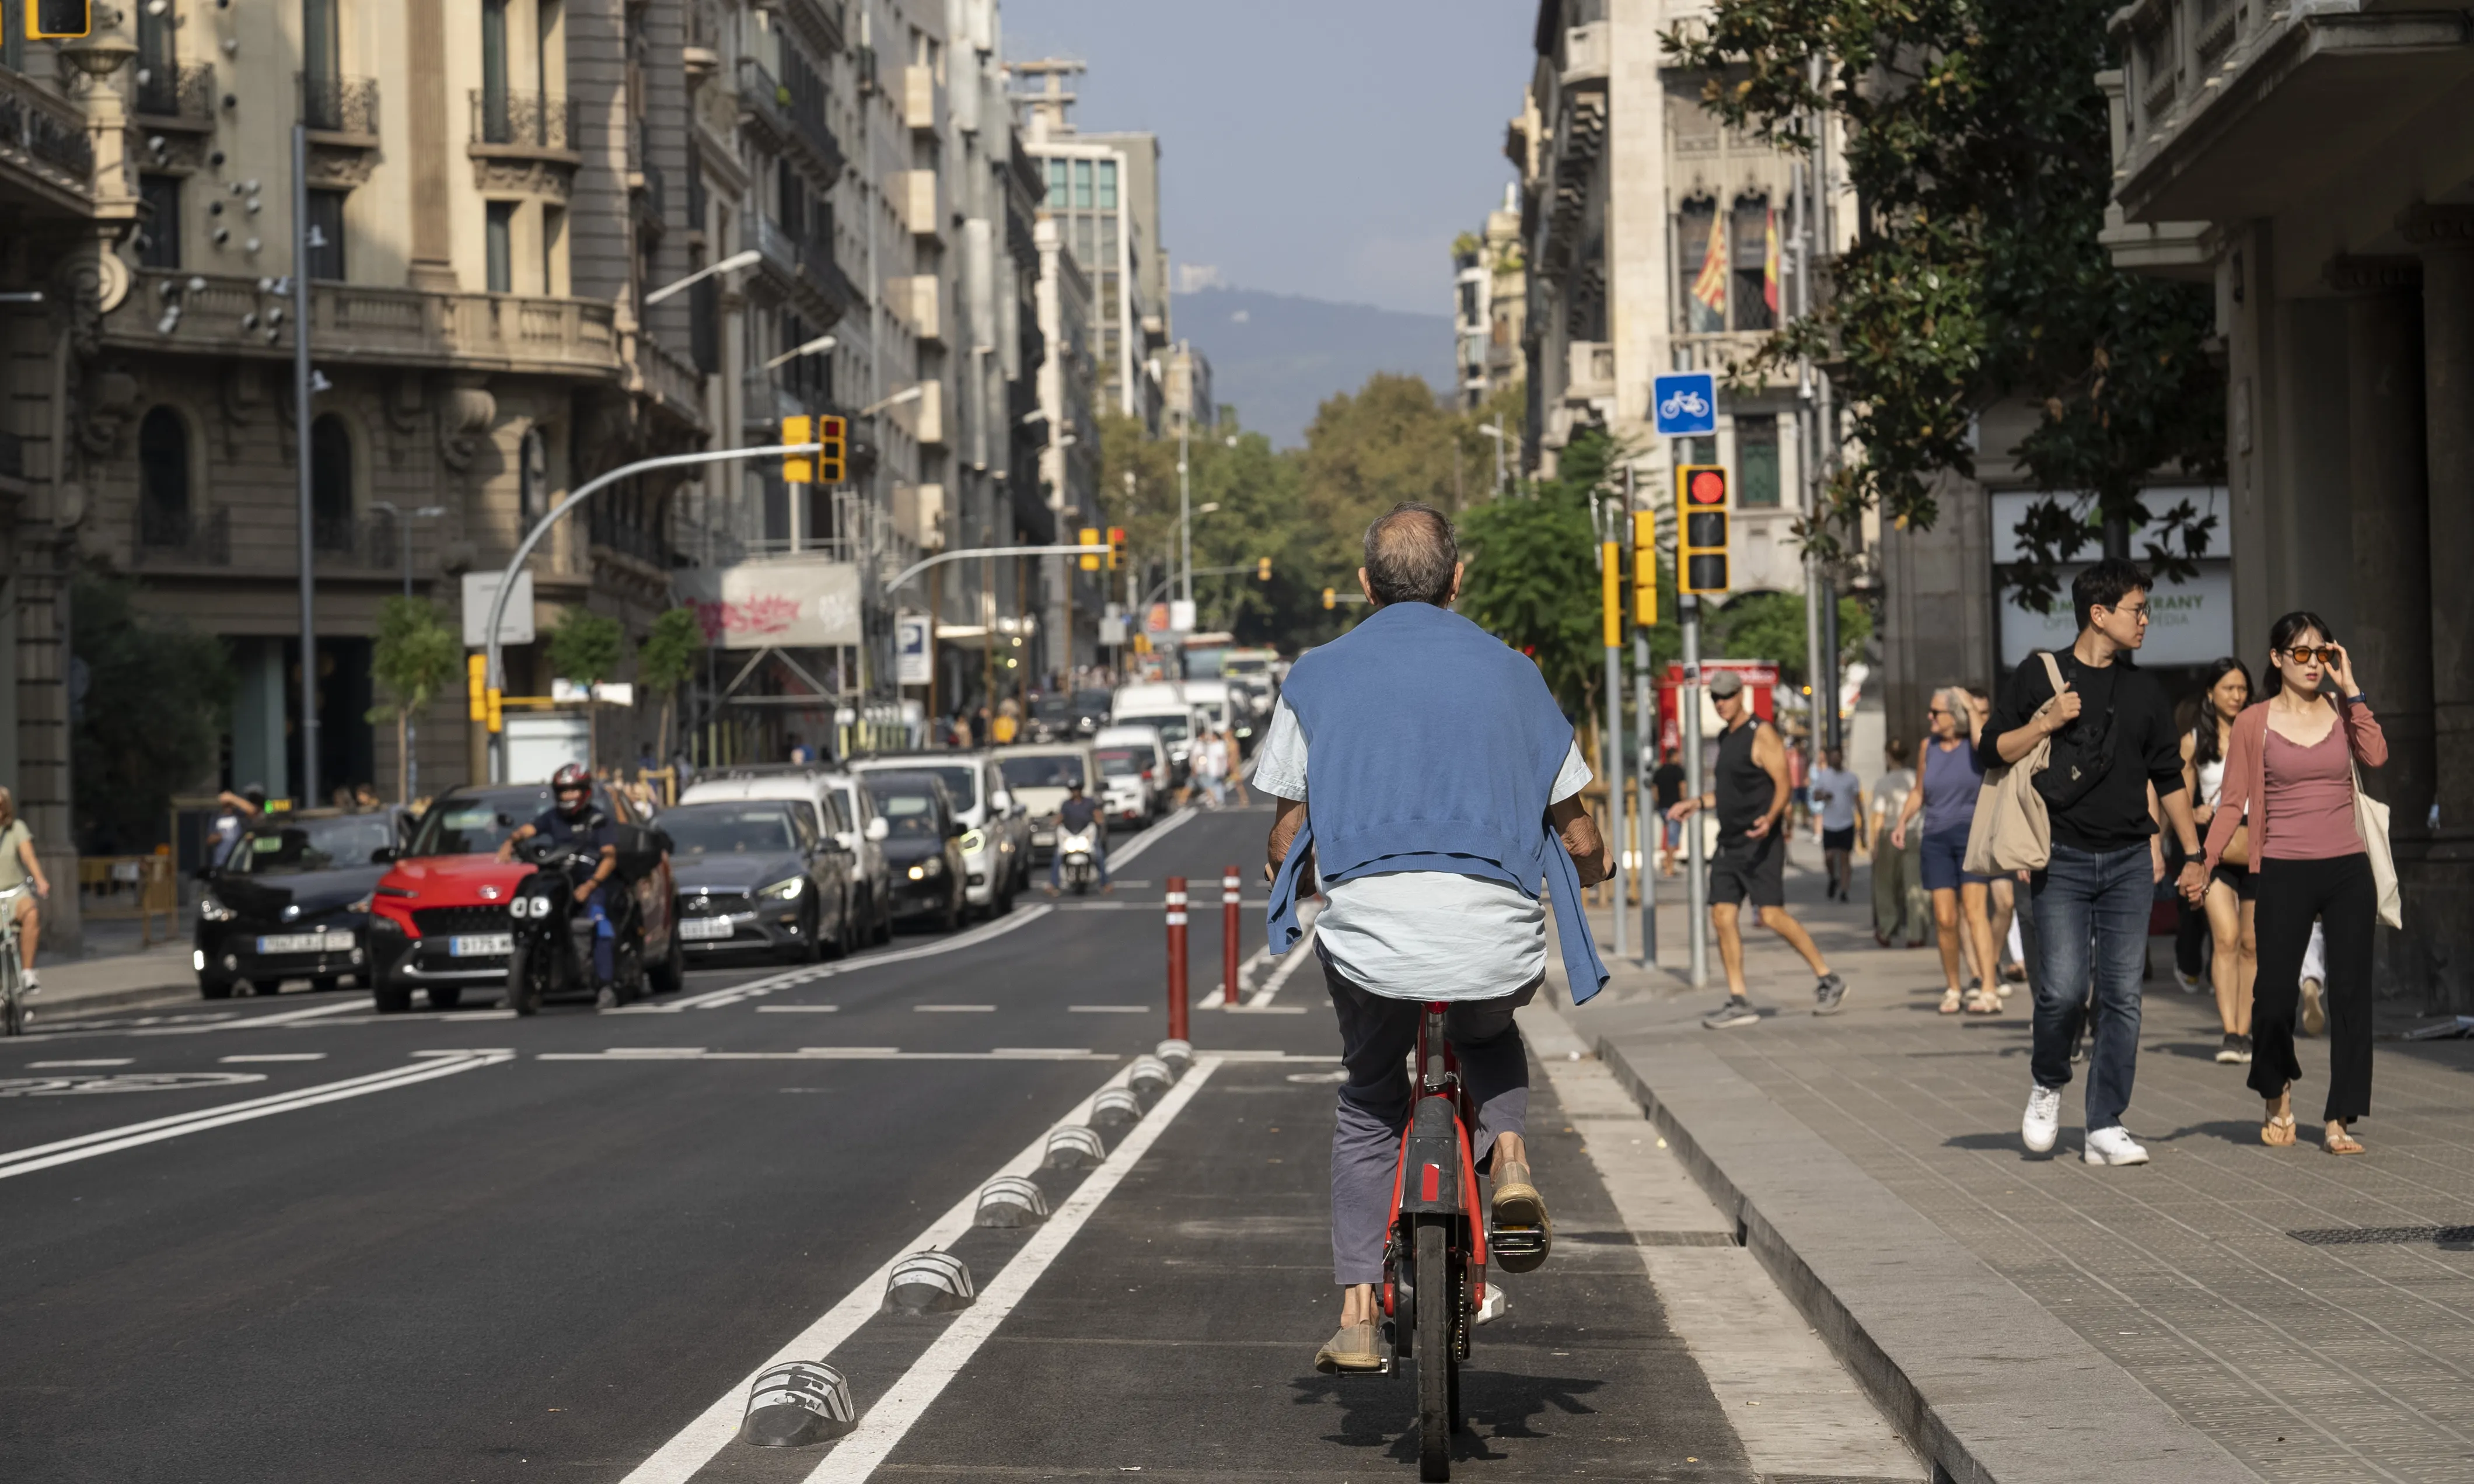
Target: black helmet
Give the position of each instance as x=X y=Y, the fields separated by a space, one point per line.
x=573 y=780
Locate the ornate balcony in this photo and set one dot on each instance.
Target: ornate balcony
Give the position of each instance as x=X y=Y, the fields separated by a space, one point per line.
x=804 y=269
x=521 y=144
x=183 y=537
x=179 y=97
x=43 y=143
x=341 y=115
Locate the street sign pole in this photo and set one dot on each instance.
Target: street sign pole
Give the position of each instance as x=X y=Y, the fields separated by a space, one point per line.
x=1611 y=593
x=1687 y=698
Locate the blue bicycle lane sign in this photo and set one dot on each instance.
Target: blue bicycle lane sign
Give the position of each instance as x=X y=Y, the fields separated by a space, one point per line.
x=1685 y=403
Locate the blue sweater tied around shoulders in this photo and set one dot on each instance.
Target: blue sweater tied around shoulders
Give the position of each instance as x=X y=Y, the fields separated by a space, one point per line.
x=1431 y=746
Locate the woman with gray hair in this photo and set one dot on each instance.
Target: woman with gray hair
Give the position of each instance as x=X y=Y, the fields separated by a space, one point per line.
x=1945 y=796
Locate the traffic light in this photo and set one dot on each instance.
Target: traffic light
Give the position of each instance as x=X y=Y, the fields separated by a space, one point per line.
x=1116 y=546
x=798 y=468
x=59 y=20
x=1089 y=541
x=1611 y=592
x=1330 y=597
x=1644 y=567
x=477 y=687
x=1262 y=569
x=1701 y=553
x=832 y=459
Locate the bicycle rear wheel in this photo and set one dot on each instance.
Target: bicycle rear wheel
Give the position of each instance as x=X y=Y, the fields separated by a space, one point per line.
x=13 y=992
x=1436 y=1365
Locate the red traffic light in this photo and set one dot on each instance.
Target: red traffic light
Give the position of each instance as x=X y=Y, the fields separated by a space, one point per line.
x=1706 y=486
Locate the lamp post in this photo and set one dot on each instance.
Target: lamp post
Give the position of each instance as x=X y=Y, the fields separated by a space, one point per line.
x=731 y=264
x=404 y=519
x=1495 y=431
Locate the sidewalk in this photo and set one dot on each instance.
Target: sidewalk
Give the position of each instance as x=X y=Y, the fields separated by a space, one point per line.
x=2227 y=1312
x=149 y=976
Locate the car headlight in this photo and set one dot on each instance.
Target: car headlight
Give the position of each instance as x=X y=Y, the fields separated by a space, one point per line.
x=785 y=890
x=918 y=872
x=214 y=911
x=974 y=841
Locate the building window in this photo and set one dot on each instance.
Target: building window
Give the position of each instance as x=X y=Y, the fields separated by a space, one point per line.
x=500 y=242
x=494 y=72
x=553 y=228
x=1755 y=265
x=532 y=477
x=1108 y=186
x=1757 y=460
x=322 y=57
x=327 y=234
x=331 y=483
x=159 y=62
x=160 y=243
x=162 y=479
x=1701 y=268
x=1082 y=184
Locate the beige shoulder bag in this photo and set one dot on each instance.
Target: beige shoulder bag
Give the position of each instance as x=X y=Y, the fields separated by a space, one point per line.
x=2371 y=823
x=2011 y=830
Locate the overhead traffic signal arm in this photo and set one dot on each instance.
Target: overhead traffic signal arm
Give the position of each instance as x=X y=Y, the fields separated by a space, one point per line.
x=1701 y=555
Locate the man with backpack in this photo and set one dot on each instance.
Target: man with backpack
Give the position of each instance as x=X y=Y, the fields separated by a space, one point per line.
x=2113 y=740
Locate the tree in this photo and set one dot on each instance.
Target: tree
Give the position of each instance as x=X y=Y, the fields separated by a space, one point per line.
x=148 y=718
x=1531 y=574
x=1976 y=140
x=667 y=658
x=1770 y=626
x=416 y=654
x=585 y=648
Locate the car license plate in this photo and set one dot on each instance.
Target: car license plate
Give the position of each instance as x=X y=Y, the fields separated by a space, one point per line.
x=306 y=942
x=481 y=944
x=704 y=929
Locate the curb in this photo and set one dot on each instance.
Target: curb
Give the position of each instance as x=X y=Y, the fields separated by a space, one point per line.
x=46 y=1008
x=1982 y=1379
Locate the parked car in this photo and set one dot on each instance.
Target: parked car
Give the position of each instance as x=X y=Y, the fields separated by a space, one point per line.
x=923 y=843
x=996 y=831
x=757 y=873
x=842 y=807
x=1037 y=775
x=1060 y=717
x=1133 y=773
x=439 y=918
x=291 y=900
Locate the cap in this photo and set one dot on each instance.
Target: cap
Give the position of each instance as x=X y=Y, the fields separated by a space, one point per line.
x=1725 y=683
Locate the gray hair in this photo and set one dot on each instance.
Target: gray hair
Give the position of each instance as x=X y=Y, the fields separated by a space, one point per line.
x=1410 y=554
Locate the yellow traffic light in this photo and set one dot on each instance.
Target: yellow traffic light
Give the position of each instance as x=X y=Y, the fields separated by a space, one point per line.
x=1089 y=541
x=832 y=459
x=477 y=687
x=59 y=20
x=1701 y=549
x=498 y=722
x=1611 y=592
x=1644 y=567
x=1116 y=546
x=1331 y=597
x=1262 y=569
x=798 y=468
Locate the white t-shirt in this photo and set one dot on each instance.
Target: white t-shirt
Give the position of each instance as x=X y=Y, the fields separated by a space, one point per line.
x=1420 y=934
x=1834 y=789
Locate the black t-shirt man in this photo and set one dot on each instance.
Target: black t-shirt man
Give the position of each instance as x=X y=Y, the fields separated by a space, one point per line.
x=1668 y=779
x=2147 y=748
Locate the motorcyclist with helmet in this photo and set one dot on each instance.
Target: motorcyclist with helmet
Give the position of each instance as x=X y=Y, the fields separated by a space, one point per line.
x=573 y=821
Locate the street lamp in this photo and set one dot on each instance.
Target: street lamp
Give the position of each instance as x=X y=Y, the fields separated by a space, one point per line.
x=1495 y=431
x=911 y=394
x=404 y=519
x=821 y=343
x=731 y=264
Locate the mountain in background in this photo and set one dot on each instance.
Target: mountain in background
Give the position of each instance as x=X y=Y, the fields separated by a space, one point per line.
x=1274 y=357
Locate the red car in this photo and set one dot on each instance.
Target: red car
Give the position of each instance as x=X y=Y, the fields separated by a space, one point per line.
x=439 y=921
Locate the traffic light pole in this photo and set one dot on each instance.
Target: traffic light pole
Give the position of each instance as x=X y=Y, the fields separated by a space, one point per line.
x=1687 y=699
x=1611 y=596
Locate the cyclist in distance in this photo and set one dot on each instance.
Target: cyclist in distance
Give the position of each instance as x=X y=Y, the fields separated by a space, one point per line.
x=1445 y=789
x=17 y=867
x=571 y=820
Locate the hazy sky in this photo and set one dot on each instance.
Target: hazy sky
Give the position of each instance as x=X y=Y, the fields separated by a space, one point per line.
x=1330 y=148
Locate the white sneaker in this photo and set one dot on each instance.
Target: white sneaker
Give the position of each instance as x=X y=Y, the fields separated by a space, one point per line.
x=2043 y=1123
x=2114 y=1147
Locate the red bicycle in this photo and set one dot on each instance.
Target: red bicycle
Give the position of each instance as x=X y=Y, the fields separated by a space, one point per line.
x=1435 y=1251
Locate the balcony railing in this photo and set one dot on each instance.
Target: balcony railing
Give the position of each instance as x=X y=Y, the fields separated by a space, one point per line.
x=810 y=262
x=609 y=530
x=535 y=119
x=183 y=538
x=339 y=105
x=42 y=130
x=356 y=540
x=180 y=94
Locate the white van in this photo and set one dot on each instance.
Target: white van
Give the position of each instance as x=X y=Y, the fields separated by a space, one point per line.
x=1135 y=772
x=843 y=808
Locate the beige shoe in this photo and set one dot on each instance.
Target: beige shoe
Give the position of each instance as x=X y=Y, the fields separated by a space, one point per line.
x=1351 y=1350
x=2314 y=1009
x=1519 y=1232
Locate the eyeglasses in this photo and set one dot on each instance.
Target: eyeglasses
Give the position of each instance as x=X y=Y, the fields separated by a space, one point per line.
x=2136 y=612
x=2305 y=654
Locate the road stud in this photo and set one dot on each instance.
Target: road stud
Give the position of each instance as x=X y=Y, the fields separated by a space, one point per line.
x=795 y=1403
x=928 y=1283
x=1073 y=1147
x=1011 y=1201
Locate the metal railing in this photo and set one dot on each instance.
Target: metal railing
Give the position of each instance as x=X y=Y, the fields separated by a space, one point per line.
x=44 y=130
x=357 y=541
x=339 y=105
x=607 y=529
x=183 y=537
x=536 y=119
x=185 y=92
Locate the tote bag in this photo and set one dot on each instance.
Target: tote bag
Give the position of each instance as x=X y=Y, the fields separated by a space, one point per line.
x=2012 y=830
x=2371 y=823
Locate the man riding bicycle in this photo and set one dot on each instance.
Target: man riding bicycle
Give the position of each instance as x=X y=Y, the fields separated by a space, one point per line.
x=17 y=867
x=1447 y=785
x=572 y=820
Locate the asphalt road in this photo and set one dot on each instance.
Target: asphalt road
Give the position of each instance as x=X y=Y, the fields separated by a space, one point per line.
x=301 y=1242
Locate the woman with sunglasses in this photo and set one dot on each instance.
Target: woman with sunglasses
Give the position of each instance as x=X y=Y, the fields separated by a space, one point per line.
x=2228 y=901
x=2289 y=761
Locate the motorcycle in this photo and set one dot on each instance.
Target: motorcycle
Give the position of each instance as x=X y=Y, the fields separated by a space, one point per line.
x=1076 y=861
x=552 y=933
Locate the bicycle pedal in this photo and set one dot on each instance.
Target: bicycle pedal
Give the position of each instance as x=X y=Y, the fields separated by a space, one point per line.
x=1516 y=1242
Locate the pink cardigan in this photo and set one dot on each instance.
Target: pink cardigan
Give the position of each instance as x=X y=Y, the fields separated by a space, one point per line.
x=2246 y=767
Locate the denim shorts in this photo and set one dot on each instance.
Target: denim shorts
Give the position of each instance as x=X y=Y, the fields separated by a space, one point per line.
x=1945 y=856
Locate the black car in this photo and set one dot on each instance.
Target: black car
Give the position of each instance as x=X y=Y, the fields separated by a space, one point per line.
x=923 y=847
x=757 y=873
x=290 y=901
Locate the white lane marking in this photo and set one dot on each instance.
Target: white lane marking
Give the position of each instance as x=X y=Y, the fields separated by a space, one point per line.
x=253 y=1022
x=1020 y=917
x=471 y=1051
x=1046 y=1053
x=1124 y=854
x=882 y=1427
x=794 y=1010
x=276 y=1056
x=25 y=1162
x=954 y=1010
x=842 y=1054
x=695 y=1443
x=458 y=1017
x=1080 y=1010
x=93 y=1060
x=653 y=1051
x=1298 y=954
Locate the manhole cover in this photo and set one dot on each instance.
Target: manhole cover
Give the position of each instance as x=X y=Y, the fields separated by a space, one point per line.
x=122 y=1082
x=2385 y=1237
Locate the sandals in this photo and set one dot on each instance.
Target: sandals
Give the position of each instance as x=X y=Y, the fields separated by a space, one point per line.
x=1949 y=1002
x=1983 y=1002
x=2337 y=1141
x=2277 y=1133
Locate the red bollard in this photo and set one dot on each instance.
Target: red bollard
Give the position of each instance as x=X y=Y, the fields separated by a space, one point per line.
x=1177 y=992
x=1228 y=900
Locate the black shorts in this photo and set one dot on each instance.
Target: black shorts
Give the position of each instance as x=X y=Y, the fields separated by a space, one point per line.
x=2246 y=886
x=1749 y=870
x=1838 y=839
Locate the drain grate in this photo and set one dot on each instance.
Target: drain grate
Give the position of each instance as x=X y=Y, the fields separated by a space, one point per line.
x=2385 y=1237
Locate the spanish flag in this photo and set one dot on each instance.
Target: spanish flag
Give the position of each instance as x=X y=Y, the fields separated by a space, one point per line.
x=1770 y=264
x=1710 y=289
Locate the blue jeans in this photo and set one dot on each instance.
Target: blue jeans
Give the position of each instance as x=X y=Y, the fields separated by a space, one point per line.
x=605 y=937
x=1099 y=857
x=2091 y=930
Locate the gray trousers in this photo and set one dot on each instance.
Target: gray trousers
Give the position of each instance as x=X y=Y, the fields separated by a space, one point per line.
x=1376 y=1035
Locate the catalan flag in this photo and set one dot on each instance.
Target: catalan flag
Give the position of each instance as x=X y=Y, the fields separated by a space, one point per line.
x=1770 y=264
x=1709 y=288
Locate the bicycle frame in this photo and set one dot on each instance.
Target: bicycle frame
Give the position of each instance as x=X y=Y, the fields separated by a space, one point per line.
x=1436 y=1145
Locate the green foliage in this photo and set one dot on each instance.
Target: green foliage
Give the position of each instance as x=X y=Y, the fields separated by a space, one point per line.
x=671 y=647
x=417 y=654
x=151 y=718
x=1531 y=574
x=1770 y=626
x=586 y=646
x=1977 y=144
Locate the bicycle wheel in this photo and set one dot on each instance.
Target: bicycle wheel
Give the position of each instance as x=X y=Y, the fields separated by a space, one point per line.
x=1435 y=1364
x=12 y=1005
